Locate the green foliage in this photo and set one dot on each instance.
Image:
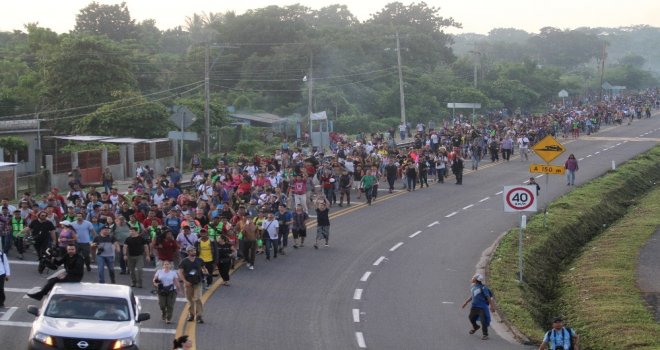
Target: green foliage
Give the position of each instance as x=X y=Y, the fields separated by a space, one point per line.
x=250 y=148
x=112 y=21
x=217 y=112
x=132 y=116
x=13 y=144
x=88 y=146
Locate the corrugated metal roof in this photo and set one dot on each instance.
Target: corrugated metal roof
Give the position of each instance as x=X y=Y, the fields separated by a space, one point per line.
x=18 y=124
x=124 y=140
x=83 y=138
x=266 y=118
x=3 y=164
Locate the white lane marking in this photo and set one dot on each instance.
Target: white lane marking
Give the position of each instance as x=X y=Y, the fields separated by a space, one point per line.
x=468 y=207
x=484 y=199
x=618 y=144
x=158 y=330
x=625 y=141
x=141 y=297
x=357 y=295
x=7 y=314
x=415 y=234
x=16 y=324
x=452 y=214
x=597 y=153
x=525 y=181
x=360 y=340
x=500 y=192
x=605 y=149
x=588 y=155
x=356 y=315
x=396 y=246
x=581 y=159
x=432 y=224
x=35 y=263
x=379 y=260
x=365 y=277
x=447 y=302
x=539 y=176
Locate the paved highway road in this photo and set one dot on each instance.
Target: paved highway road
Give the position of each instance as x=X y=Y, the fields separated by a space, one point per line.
x=395 y=273
x=393 y=277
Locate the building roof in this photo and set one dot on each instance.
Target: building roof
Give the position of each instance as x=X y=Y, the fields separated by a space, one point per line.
x=20 y=126
x=82 y=138
x=124 y=140
x=4 y=164
x=265 y=118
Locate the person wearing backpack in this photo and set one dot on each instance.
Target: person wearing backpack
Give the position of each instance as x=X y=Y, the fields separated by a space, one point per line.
x=560 y=337
x=482 y=305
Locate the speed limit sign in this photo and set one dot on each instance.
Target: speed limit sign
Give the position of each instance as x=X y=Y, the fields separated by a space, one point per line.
x=519 y=198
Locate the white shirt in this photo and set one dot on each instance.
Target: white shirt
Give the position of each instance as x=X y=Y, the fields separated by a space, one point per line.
x=523 y=142
x=4 y=266
x=271 y=227
x=158 y=198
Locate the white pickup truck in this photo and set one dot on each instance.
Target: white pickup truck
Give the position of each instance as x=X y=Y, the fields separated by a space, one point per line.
x=87 y=316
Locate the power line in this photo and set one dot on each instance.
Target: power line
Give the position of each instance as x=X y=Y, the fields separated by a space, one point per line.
x=321 y=87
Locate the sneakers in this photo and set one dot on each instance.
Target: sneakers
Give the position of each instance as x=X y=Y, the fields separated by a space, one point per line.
x=474 y=330
x=190 y=318
x=200 y=320
x=251 y=267
x=484 y=337
x=326 y=245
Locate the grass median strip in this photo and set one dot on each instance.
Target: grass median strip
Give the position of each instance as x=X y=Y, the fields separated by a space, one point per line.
x=599 y=291
x=573 y=221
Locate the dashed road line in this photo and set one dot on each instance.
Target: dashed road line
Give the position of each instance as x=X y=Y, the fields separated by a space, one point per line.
x=415 y=234
x=360 y=340
x=588 y=155
x=396 y=246
x=618 y=144
x=365 y=277
x=379 y=260
x=597 y=153
x=356 y=315
x=432 y=224
x=7 y=314
x=498 y=193
x=539 y=176
x=357 y=295
x=141 y=297
x=581 y=159
x=452 y=214
x=158 y=330
x=484 y=199
x=468 y=207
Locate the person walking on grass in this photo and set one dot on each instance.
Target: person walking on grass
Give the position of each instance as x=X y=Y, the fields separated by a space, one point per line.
x=322 y=222
x=482 y=305
x=560 y=337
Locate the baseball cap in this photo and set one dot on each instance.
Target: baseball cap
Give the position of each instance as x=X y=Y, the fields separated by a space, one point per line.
x=190 y=249
x=557 y=319
x=479 y=277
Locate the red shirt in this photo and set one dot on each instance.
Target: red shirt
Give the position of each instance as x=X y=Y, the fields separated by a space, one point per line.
x=167 y=250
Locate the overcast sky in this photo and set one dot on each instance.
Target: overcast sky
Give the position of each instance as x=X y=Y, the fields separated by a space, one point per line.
x=477 y=16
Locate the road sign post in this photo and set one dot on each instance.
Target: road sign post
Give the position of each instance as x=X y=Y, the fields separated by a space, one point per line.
x=523 y=225
x=548 y=149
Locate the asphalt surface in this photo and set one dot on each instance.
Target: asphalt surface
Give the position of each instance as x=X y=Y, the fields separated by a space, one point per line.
x=394 y=275
x=383 y=285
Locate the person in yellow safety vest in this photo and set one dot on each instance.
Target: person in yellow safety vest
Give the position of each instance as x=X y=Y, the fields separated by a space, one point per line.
x=18 y=229
x=214 y=228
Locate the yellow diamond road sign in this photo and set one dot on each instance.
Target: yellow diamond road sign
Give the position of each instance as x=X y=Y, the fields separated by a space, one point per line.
x=547 y=169
x=549 y=149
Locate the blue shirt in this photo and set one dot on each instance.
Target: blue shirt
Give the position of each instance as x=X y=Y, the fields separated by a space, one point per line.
x=172 y=193
x=479 y=298
x=83 y=230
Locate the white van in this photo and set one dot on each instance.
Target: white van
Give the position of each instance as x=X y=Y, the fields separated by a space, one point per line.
x=87 y=316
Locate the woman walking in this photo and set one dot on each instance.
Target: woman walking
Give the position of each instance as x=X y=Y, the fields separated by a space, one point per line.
x=166 y=281
x=571 y=166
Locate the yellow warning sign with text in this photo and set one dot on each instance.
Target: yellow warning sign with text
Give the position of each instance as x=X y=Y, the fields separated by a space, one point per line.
x=547 y=169
x=549 y=149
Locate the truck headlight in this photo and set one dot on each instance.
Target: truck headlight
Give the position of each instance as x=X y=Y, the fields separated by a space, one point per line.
x=122 y=343
x=44 y=338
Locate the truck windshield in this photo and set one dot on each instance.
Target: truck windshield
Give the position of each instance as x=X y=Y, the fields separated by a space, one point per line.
x=88 y=308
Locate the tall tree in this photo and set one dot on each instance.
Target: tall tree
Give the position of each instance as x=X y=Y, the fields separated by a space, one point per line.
x=113 y=21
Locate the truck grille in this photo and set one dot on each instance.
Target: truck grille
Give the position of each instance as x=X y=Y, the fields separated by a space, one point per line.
x=79 y=344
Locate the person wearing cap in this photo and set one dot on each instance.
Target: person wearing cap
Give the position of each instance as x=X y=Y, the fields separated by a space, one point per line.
x=67 y=235
x=136 y=250
x=482 y=304
x=226 y=253
x=19 y=228
x=560 y=337
x=186 y=238
x=191 y=271
x=207 y=250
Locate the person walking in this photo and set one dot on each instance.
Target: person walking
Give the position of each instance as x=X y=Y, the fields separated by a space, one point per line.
x=74 y=266
x=560 y=337
x=5 y=272
x=106 y=247
x=391 y=172
x=136 y=250
x=121 y=232
x=86 y=233
x=571 y=167
x=191 y=272
x=368 y=182
x=167 y=283
x=299 y=226
x=441 y=165
x=270 y=229
x=482 y=305
x=457 y=168
x=250 y=234
x=226 y=252
x=207 y=250
x=323 y=222
x=18 y=227
x=108 y=180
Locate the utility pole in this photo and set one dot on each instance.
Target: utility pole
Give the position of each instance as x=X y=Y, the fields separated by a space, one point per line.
x=207 y=97
x=602 y=70
x=401 y=95
x=476 y=58
x=310 y=82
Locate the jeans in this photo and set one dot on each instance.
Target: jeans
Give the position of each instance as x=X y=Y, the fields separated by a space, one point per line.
x=441 y=174
x=223 y=266
x=402 y=134
x=6 y=242
x=120 y=257
x=412 y=182
x=102 y=262
x=570 y=177
x=271 y=243
x=322 y=232
x=475 y=162
x=390 y=182
x=283 y=236
x=329 y=193
x=423 y=179
x=2 y=287
x=210 y=266
x=369 y=193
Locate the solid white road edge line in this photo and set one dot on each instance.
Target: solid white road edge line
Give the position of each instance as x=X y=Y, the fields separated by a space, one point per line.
x=360 y=340
x=357 y=295
x=396 y=246
x=356 y=315
x=365 y=277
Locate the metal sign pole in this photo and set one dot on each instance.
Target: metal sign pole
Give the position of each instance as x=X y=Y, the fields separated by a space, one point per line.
x=545 y=199
x=523 y=224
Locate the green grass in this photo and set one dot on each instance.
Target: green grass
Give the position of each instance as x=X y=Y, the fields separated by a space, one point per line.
x=573 y=221
x=599 y=291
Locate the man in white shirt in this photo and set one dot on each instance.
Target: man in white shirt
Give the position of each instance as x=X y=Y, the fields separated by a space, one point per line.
x=271 y=228
x=523 y=144
x=5 y=272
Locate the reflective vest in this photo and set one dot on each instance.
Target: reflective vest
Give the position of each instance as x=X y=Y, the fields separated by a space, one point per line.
x=214 y=232
x=17 y=226
x=152 y=232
